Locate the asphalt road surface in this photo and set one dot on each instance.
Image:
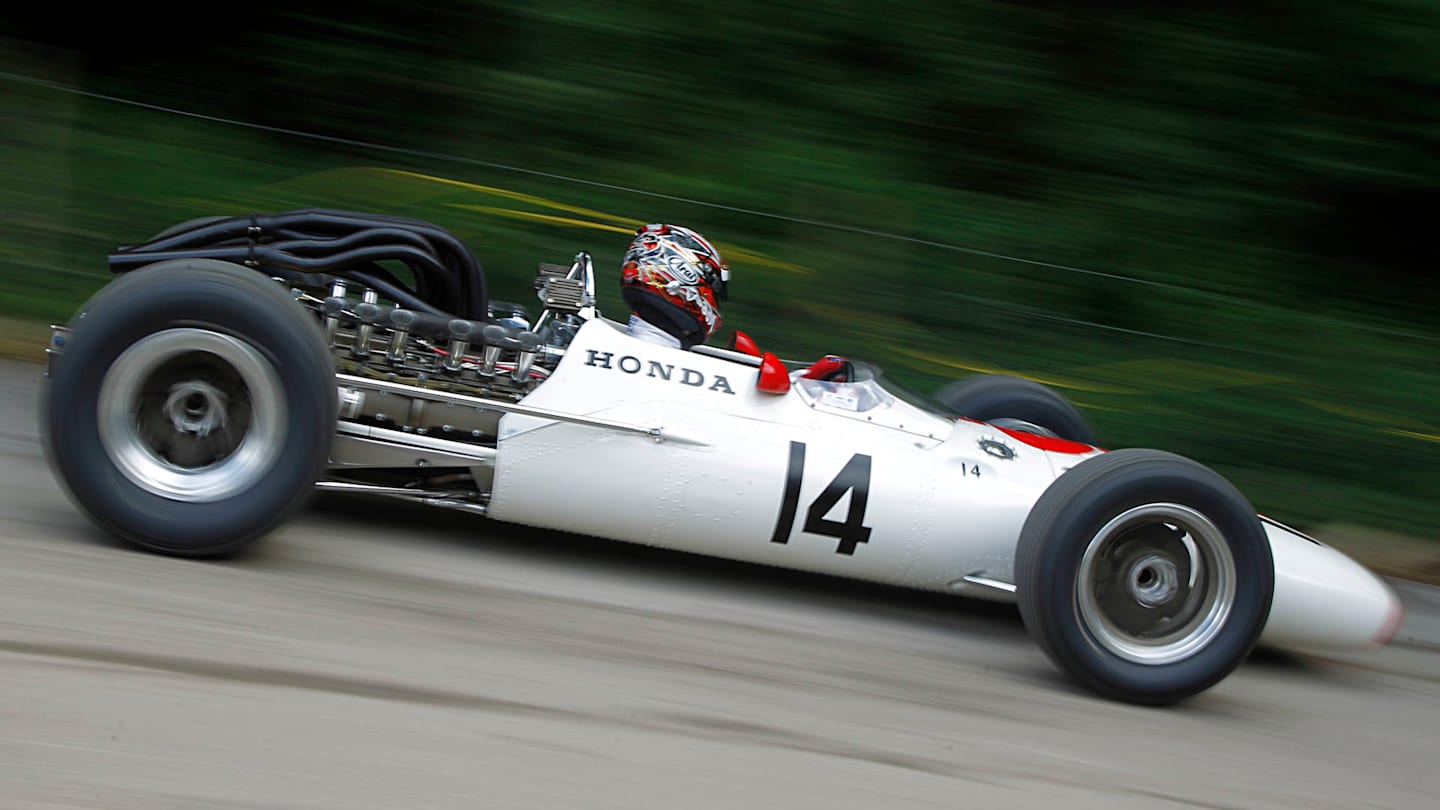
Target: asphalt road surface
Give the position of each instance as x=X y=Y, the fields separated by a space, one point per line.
x=376 y=655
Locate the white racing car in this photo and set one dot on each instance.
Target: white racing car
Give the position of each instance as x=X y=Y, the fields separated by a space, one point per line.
x=237 y=363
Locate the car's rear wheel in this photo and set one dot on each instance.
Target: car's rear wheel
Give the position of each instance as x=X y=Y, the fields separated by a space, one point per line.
x=193 y=407
x=1144 y=575
x=1017 y=403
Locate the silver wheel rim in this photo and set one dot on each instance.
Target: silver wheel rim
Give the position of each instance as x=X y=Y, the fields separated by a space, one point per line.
x=1156 y=584
x=192 y=415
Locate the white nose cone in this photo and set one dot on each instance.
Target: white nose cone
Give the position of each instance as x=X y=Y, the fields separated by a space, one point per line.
x=1324 y=599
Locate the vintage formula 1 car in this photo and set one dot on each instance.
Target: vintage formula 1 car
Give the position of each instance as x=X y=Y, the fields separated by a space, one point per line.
x=238 y=363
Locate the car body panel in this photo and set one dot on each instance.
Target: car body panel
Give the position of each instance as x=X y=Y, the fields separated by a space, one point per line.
x=1324 y=599
x=938 y=506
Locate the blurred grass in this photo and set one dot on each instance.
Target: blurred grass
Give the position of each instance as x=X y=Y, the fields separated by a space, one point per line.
x=1181 y=153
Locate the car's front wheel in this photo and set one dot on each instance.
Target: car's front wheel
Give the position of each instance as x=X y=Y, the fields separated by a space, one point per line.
x=193 y=407
x=1144 y=575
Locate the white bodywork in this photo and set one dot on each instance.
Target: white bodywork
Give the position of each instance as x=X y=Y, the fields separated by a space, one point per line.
x=1325 y=599
x=943 y=499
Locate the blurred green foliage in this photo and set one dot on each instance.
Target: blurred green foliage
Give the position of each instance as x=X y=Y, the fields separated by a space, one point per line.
x=1224 y=205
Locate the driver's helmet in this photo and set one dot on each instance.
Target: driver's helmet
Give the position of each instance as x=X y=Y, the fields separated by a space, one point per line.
x=671 y=278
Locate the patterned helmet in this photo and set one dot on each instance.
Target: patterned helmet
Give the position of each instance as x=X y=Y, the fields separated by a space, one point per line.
x=672 y=277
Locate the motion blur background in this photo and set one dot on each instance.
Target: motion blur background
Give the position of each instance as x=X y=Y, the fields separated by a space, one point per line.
x=1205 y=222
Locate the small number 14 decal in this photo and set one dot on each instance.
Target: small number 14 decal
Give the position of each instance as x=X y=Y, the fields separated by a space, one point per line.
x=854 y=478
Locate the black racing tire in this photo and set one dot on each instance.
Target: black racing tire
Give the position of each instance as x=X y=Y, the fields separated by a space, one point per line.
x=193 y=407
x=1144 y=575
x=188 y=224
x=1015 y=402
